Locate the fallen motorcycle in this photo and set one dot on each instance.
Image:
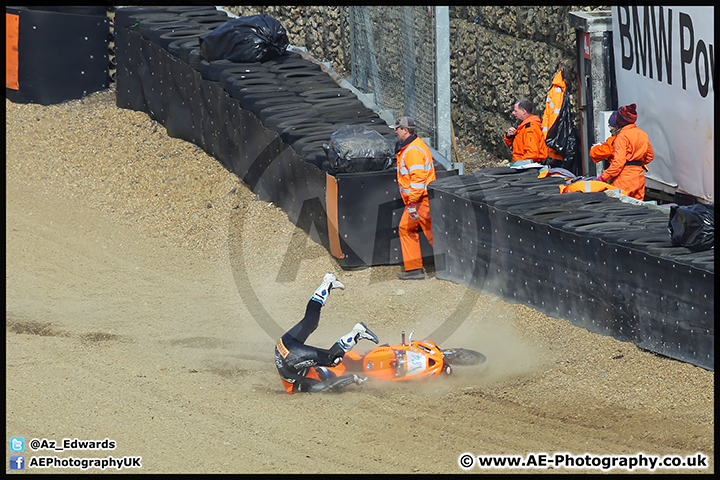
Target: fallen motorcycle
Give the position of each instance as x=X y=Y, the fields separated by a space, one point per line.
x=411 y=360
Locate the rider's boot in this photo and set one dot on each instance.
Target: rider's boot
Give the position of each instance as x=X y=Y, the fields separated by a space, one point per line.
x=337 y=383
x=329 y=282
x=347 y=342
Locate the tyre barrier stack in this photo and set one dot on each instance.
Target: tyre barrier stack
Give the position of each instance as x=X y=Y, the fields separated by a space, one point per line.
x=266 y=122
x=602 y=264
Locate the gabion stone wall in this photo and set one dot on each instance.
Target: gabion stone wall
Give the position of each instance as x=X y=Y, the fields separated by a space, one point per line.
x=498 y=54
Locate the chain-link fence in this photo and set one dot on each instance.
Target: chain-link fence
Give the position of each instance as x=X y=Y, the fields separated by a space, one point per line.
x=393 y=52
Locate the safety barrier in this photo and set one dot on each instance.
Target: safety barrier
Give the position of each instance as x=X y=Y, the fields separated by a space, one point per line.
x=604 y=265
x=55 y=53
x=601 y=264
x=266 y=122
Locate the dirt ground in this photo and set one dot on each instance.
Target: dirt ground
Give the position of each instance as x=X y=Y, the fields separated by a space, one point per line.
x=144 y=287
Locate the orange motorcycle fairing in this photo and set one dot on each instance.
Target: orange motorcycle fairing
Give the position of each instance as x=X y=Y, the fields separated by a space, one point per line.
x=413 y=361
x=420 y=359
x=381 y=363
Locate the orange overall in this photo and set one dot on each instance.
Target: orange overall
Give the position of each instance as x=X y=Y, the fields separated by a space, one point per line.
x=553 y=103
x=602 y=151
x=631 y=152
x=528 y=143
x=415 y=170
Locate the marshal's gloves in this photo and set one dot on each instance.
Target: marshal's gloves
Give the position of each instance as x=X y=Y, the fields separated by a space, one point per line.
x=412 y=210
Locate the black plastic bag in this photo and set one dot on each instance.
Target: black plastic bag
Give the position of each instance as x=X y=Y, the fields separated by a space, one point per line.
x=255 y=38
x=693 y=226
x=358 y=148
x=562 y=138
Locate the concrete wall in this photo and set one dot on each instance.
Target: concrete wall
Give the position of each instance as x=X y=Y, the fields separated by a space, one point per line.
x=498 y=54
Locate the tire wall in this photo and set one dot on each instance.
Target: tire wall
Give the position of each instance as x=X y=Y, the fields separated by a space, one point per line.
x=498 y=54
x=56 y=53
x=193 y=106
x=603 y=265
x=171 y=92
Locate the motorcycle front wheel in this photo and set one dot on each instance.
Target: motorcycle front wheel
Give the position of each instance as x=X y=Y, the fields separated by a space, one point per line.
x=463 y=356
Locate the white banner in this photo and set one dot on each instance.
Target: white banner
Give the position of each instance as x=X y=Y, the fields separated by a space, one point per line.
x=665 y=63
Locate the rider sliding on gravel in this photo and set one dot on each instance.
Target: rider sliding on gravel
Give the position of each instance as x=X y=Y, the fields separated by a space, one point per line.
x=294 y=359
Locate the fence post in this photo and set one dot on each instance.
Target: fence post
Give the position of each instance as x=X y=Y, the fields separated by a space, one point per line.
x=442 y=81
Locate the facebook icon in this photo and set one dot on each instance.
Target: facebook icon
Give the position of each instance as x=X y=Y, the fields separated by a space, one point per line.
x=17 y=462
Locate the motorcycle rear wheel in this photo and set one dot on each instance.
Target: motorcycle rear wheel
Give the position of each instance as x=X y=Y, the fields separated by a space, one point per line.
x=463 y=356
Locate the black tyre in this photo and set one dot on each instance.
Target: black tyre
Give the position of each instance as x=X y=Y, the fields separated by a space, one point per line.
x=268 y=106
x=313 y=150
x=285 y=57
x=298 y=145
x=598 y=204
x=210 y=70
x=126 y=16
x=243 y=68
x=613 y=230
x=340 y=106
x=194 y=57
x=311 y=143
x=180 y=48
x=294 y=115
x=524 y=203
x=209 y=23
x=492 y=195
x=655 y=243
x=303 y=75
x=248 y=100
x=589 y=222
x=350 y=115
x=561 y=220
x=293 y=135
x=653 y=239
x=370 y=120
x=227 y=80
x=463 y=357
x=159 y=19
x=704 y=260
x=317 y=158
x=544 y=214
x=329 y=93
x=185 y=47
x=150 y=27
x=205 y=14
x=167 y=38
x=272 y=106
x=304 y=122
x=178 y=10
x=295 y=65
x=656 y=222
x=239 y=90
x=306 y=84
x=153 y=32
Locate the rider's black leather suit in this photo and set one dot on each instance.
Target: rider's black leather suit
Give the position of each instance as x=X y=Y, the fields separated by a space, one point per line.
x=294 y=359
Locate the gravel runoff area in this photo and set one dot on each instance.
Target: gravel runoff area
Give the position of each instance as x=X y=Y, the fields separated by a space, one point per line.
x=108 y=181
